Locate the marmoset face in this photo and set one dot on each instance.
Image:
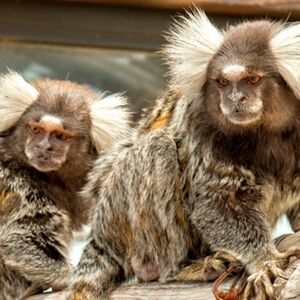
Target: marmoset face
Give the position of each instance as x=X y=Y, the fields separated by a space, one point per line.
x=244 y=88
x=240 y=94
x=52 y=134
x=47 y=143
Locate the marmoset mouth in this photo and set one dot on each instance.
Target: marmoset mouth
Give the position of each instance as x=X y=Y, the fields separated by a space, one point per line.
x=242 y=113
x=42 y=157
x=243 y=118
x=44 y=164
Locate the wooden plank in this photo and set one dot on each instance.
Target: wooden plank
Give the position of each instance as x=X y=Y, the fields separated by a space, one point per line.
x=245 y=7
x=150 y=291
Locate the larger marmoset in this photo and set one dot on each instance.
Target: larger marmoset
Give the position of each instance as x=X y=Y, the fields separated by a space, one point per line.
x=216 y=163
x=50 y=133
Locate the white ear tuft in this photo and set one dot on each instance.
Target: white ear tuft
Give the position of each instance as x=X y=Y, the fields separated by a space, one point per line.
x=110 y=121
x=286 y=49
x=192 y=43
x=16 y=95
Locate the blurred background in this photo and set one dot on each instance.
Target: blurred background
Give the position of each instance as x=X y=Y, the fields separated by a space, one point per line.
x=110 y=44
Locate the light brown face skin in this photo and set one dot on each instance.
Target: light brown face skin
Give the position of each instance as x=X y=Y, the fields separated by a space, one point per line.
x=239 y=91
x=47 y=143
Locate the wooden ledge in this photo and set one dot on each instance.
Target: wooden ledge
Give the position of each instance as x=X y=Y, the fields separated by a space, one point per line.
x=150 y=291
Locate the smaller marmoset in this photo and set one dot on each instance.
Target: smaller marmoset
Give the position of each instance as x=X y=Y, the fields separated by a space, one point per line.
x=50 y=133
x=216 y=163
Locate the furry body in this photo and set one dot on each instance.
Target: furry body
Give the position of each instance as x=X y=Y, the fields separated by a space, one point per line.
x=195 y=175
x=40 y=210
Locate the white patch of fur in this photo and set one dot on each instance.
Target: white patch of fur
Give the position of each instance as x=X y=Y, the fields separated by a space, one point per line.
x=246 y=121
x=286 y=49
x=224 y=109
x=28 y=153
x=16 y=95
x=83 y=233
x=233 y=72
x=192 y=43
x=257 y=106
x=51 y=119
x=110 y=121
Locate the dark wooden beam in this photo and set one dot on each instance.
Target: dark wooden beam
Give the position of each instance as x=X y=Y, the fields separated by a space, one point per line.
x=90 y=24
x=82 y=24
x=246 y=7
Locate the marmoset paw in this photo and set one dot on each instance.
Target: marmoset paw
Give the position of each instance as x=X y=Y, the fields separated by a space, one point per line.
x=205 y=269
x=260 y=284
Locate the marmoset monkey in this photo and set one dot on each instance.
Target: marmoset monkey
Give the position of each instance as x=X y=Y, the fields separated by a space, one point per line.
x=217 y=162
x=50 y=133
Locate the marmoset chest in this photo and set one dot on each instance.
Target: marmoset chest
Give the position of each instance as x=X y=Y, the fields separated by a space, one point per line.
x=268 y=164
x=265 y=154
x=20 y=195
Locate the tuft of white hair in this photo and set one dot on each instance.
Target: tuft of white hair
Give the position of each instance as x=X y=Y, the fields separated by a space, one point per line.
x=16 y=95
x=110 y=121
x=285 y=46
x=193 y=41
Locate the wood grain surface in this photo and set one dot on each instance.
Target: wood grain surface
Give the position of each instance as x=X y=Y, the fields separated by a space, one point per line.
x=151 y=291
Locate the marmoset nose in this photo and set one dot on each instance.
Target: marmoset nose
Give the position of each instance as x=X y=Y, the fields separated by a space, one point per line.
x=45 y=145
x=237 y=96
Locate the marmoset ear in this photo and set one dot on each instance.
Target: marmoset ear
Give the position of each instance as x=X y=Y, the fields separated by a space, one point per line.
x=193 y=41
x=16 y=95
x=110 y=121
x=285 y=46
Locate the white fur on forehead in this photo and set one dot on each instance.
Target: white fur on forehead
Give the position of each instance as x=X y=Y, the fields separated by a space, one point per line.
x=110 y=121
x=285 y=46
x=192 y=43
x=51 y=119
x=16 y=95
